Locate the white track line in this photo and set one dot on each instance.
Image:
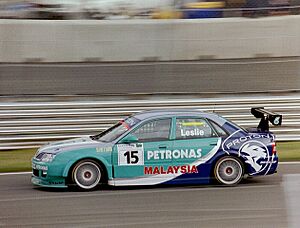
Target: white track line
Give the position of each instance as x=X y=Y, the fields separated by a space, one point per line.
x=15 y=173
x=290 y=163
x=128 y=64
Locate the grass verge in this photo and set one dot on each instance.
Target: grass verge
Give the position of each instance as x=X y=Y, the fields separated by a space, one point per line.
x=288 y=151
x=16 y=160
x=20 y=160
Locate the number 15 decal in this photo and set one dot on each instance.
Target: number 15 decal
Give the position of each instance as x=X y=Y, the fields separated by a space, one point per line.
x=130 y=154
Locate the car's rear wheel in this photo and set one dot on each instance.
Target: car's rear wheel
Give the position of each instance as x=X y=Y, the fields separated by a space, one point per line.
x=229 y=171
x=87 y=174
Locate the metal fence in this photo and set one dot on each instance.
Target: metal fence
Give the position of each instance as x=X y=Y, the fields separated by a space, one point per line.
x=29 y=124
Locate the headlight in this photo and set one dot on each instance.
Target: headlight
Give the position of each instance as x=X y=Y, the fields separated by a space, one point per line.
x=48 y=157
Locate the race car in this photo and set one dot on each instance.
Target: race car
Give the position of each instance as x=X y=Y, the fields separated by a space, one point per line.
x=161 y=147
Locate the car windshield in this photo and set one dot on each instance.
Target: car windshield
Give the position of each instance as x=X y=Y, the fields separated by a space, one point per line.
x=117 y=130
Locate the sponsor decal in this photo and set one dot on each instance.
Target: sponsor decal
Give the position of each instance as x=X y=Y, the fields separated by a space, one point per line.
x=103 y=149
x=255 y=154
x=192 y=124
x=249 y=147
x=228 y=145
x=133 y=154
x=56 y=182
x=39 y=167
x=150 y=170
x=176 y=154
x=268 y=162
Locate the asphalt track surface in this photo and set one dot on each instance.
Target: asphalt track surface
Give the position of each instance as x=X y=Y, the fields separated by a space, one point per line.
x=272 y=201
x=151 y=77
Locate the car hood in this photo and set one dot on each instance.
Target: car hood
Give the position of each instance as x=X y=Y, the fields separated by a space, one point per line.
x=71 y=144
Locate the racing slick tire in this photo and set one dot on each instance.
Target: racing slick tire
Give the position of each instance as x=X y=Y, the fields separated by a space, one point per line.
x=87 y=175
x=229 y=171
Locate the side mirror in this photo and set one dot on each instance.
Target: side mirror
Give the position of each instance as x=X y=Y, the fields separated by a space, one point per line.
x=129 y=139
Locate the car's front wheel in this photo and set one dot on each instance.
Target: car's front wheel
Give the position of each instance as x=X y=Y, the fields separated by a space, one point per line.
x=229 y=171
x=87 y=174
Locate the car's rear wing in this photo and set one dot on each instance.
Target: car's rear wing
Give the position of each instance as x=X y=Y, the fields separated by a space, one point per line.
x=266 y=116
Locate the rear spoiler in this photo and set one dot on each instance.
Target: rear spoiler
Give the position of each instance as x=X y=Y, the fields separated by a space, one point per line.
x=266 y=116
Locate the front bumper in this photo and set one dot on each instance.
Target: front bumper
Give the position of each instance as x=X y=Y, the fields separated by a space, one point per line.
x=51 y=182
x=41 y=176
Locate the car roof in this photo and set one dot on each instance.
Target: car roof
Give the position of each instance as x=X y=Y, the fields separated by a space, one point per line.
x=172 y=112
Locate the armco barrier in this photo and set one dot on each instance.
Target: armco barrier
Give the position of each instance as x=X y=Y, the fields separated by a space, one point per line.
x=30 y=124
x=143 y=40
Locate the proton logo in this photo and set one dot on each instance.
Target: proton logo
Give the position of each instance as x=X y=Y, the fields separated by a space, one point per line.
x=254 y=153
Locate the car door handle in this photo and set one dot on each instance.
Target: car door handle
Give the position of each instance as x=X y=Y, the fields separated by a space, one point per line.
x=162 y=146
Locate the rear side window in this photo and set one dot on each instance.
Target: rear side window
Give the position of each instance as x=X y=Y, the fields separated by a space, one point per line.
x=191 y=128
x=156 y=130
x=218 y=129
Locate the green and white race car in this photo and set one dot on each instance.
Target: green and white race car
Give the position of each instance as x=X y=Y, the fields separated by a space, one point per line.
x=161 y=147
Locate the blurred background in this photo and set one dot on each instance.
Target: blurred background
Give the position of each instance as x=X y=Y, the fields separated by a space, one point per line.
x=146 y=9
x=71 y=68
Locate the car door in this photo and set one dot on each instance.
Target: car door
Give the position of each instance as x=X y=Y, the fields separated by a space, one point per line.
x=146 y=159
x=195 y=142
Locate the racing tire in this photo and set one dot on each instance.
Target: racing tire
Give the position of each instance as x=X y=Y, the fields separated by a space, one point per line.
x=229 y=171
x=87 y=175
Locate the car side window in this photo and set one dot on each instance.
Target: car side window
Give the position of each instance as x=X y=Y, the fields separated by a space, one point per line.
x=191 y=128
x=156 y=130
x=218 y=129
